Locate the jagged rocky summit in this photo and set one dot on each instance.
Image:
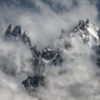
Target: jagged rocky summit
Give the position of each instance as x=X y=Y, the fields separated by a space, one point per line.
x=40 y=58
x=85 y=32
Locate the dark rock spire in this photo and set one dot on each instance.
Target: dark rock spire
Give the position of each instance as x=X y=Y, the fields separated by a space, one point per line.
x=8 y=31
x=16 y=31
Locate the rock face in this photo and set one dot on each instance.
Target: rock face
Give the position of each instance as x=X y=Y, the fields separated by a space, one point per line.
x=98 y=55
x=86 y=32
x=8 y=31
x=15 y=32
x=33 y=82
x=53 y=56
x=48 y=54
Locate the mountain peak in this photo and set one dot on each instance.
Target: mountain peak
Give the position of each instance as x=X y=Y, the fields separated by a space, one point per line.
x=16 y=31
x=82 y=25
x=84 y=32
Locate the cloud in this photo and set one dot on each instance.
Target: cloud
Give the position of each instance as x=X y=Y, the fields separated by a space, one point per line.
x=43 y=22
x=46 y=24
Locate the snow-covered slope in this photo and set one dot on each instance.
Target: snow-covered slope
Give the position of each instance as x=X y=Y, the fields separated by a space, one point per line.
x=85 y=32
